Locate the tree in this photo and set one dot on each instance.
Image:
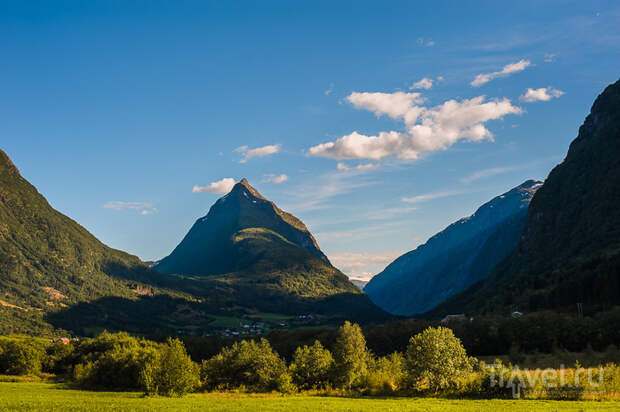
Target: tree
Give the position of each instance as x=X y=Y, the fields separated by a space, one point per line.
x=311 y=366
x=436 y=358
x=18 y=357
x=113 y=361
x=171 y=372
x=351 y=355
x=247 y=363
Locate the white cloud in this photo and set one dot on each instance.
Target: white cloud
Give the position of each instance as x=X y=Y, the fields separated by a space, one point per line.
x=425 y=42
x=424 y=83
x=395 y=105
x=362 y=265
x=329 y=90
x=141 y=207
x=428 y=129
x=481 y=174
x=493 y=171
x=220 y=187
x=277 y=179
x=363 y=166
x=257 y=152
x=316 y=192
x=388 y=213
x=543 y=94
x=506 y=71
x=440 y=78
x=431 y=196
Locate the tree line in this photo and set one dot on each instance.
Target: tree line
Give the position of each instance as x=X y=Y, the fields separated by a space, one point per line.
x=433 y=362
x=118 y=361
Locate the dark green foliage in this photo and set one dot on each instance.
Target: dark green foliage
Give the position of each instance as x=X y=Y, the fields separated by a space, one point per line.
x=312 y=366
x=58 y=358
x=570 y=249
x=113 y=361
x=248 y=364
x=351 y=356
x=436 y=359
x=171 y=372
x=20 y=357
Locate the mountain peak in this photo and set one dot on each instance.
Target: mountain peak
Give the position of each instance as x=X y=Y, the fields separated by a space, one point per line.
x=244 y=184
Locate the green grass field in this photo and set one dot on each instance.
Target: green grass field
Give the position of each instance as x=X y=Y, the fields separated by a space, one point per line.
x=52 y=397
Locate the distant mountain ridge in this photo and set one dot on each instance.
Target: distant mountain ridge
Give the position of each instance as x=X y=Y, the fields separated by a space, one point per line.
x=455 y=258
x=570 y=249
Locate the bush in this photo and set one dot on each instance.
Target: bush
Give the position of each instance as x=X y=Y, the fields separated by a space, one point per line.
x=171 y=372
x=351 y=356
x=436 y=359
x=113 y=361
x=247 y=363
x=385 y=375
x=312 y=366
x=58 y=358
x=285 y=384
x=18 y=357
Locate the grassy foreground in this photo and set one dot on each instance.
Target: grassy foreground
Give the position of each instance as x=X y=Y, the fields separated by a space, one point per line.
x=23 y=396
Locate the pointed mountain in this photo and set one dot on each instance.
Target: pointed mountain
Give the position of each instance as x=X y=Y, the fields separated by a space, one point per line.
x=455 y=258
x=570 y=249
x=256 y=256
x=217 y=243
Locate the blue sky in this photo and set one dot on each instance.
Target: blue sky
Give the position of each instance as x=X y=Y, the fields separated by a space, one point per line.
x=124 y=114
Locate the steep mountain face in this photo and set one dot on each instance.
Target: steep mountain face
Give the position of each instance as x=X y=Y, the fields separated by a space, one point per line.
x=455 y=258
x=246 y=252
x=570 y=249
x=48 y=261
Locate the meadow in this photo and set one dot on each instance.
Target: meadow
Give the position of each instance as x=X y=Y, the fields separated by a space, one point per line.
x=27 y=396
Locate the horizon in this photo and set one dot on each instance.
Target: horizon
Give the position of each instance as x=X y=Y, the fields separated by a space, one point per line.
x=134 y=120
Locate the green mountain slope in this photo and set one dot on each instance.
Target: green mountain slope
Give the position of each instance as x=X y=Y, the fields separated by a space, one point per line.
x=455 y=258
x=255 y=255
x=49 y=262
x=569 y=251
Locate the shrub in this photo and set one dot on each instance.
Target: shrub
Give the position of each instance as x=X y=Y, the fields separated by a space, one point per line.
x=247 y=363
x=312 y=366
x=171 y=372
x=351 y=356
x=385 y=375
x=18 y=357
x=285 y=384
x=58 y=358
x=436 y=359
x=113 y=361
